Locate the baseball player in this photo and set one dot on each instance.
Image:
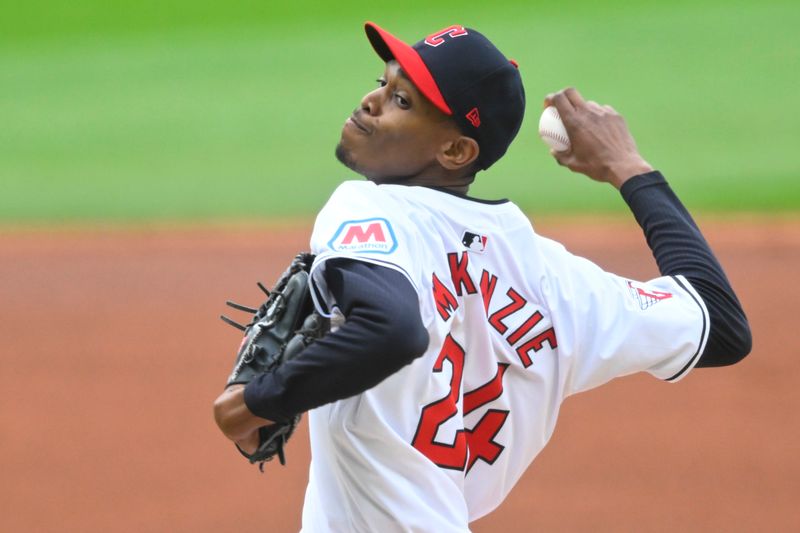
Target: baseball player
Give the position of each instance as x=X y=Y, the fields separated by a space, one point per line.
x=462 y=330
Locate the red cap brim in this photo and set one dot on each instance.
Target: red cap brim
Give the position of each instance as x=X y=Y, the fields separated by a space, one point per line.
x=390 y=47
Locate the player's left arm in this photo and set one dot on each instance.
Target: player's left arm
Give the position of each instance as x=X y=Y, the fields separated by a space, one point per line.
x=382 y=333
x=603 y=149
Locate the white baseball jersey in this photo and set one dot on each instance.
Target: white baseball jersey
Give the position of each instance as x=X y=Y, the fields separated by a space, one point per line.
x=516 y=325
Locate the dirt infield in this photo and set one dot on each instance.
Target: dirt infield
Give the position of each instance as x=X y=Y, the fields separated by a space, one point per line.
x=112 y=354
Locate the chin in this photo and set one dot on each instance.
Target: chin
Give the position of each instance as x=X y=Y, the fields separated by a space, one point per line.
x=344 y=157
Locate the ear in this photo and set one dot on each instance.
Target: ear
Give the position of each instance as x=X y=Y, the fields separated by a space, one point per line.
x=458 y=153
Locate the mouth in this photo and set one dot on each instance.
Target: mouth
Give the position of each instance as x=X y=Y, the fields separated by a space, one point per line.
x=352 y=120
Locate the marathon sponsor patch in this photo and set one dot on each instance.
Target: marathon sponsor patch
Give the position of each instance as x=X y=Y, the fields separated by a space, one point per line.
x=371 y=235
x=646 y=297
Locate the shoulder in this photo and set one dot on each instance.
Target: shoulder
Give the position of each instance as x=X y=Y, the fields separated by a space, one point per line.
x=355 y=192
x=357 y=200
x=359 y=217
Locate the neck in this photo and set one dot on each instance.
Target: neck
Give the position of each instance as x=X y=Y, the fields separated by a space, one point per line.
x=450 y=182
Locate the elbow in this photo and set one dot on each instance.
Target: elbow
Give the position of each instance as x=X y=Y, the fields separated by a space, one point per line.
x=741 y=338
x=728 y=348
x=407 y=339
x=730 y=339
x=742 y=345
x=408 y=343
x=417 y=343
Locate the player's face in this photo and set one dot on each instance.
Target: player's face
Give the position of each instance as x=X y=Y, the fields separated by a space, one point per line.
x=395 y=134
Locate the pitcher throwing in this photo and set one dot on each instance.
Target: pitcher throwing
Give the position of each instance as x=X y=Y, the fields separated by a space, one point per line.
x=461 y=329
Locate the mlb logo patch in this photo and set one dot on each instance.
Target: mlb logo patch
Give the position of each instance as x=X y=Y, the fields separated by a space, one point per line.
x=474 y=241
x=371 y=235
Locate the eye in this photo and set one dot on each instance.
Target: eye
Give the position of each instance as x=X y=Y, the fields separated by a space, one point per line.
x=381 y=82
x=402 y=102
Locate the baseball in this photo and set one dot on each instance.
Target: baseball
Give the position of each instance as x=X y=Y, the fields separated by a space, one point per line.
x=552 y=130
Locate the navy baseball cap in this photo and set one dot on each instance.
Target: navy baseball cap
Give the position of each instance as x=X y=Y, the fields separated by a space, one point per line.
x=465 y=76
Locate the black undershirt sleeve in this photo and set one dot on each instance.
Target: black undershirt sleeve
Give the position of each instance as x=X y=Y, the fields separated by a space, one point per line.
x=679 y=248
x=382 y=333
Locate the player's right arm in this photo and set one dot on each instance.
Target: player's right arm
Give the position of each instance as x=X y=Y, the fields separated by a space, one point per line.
x=603 y=149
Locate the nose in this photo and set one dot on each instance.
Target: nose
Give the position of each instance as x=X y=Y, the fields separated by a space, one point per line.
x=370 y=104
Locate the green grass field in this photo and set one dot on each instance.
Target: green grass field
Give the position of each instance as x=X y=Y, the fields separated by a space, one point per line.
x=206 y=110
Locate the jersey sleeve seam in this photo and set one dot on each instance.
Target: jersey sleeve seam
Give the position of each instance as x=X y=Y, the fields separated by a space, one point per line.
x=320 y=302
x=686 y=286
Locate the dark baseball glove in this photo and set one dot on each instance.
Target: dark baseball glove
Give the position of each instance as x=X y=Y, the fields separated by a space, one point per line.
x=279 y=330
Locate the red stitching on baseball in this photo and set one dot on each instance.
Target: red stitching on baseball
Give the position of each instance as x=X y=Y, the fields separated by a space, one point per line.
x=556 y=136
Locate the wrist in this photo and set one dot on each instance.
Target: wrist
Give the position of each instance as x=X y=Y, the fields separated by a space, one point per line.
x=233 y=417
x=619 y=173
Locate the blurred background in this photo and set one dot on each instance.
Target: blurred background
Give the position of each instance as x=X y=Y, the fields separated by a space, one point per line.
x=199 y=110
x=159 y=157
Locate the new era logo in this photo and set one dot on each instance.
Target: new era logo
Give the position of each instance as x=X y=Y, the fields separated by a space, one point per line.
x=372 y=235
x=474 y=117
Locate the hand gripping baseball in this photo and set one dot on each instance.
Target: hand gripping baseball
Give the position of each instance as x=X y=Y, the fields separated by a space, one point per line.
x=280 y=329
x=602 y=147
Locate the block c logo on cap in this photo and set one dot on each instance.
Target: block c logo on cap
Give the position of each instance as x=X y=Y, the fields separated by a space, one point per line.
x=435 y=39
x=371 y=235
